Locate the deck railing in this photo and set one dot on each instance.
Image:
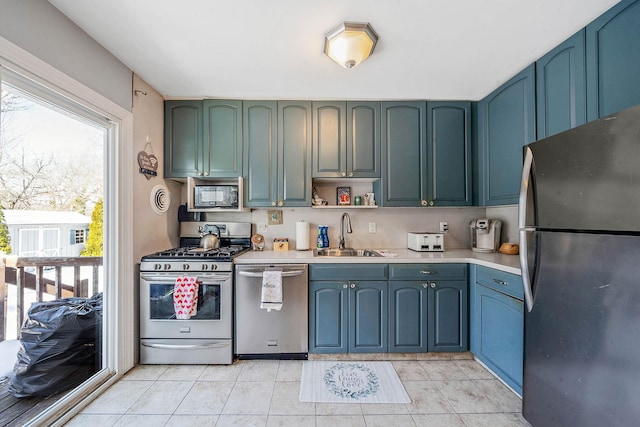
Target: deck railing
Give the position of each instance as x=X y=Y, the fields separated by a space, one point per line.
x=29 y=273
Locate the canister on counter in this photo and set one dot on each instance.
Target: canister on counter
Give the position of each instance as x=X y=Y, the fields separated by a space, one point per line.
x=281 y=244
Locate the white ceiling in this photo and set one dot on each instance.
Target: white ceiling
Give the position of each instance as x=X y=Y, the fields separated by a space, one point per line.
x=428 y=49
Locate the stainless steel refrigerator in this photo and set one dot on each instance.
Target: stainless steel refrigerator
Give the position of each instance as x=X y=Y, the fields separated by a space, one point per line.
x=579 y=223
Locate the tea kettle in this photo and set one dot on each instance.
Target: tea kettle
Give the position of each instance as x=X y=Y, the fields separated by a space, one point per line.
x=208 y=240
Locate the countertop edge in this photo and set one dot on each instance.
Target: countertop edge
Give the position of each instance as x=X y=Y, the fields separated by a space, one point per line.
x=506 y=263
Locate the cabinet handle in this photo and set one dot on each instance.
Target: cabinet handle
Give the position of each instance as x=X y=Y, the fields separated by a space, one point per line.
x=433 y=285
x=423 y=202
x=430 y=202
x=350 y=174
x=280 y=203
x=427 y=272
x=273 y=203
x=501 y=282
x=353 y=286
x=206 y=174
x=199 y=173
x=343 y=174
x=425 y=285
x=345 y=286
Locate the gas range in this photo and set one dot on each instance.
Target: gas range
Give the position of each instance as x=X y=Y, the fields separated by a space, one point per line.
x=235 y=239
x=192 y=258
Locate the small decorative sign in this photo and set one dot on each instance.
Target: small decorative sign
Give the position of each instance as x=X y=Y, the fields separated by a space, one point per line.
x=148 y=164
x=344 y=195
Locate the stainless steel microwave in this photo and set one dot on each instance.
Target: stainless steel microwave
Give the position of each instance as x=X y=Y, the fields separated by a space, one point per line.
x=221 y=196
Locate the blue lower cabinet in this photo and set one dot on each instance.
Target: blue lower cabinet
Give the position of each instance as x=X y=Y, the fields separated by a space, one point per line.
x=347 y=316
x=448 y=307
x=428 y=316
x=328 y=311
x=408 y=316
x=498 y=334
x=368 y=316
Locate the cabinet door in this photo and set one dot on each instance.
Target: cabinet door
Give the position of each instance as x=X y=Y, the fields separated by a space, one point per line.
x=408 y=316
x=222 y=156
x=449 y=153
x=404 y=154
x=328 y=324
x=183 y=139
x=367 y=316
x=561 y=88
x=613 y=60
x=448 y=316
x=506 y=122
x=498 y=323
x=329 y=140
x=294 y=153
x=363 y=139
x=260 y=151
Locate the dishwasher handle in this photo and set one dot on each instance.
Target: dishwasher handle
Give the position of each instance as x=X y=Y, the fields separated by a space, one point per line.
x=292 y=273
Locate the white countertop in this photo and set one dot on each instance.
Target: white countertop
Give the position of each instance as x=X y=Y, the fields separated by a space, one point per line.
x=507 y=263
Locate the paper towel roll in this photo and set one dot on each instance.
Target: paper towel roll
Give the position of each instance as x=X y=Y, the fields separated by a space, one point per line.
x=302 y=236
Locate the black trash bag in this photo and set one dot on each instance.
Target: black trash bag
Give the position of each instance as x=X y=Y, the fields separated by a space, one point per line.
x=60 y=346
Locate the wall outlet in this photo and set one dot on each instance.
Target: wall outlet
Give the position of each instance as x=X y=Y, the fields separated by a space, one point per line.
x=444 y=227
x=373 y=227
x=262 y=227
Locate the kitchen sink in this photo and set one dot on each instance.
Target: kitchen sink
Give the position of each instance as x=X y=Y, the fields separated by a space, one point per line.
x=346 y=252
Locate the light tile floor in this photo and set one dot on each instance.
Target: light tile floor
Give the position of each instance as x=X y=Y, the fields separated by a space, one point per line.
x=265 y=393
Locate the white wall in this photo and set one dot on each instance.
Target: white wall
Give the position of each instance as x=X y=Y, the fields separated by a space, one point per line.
x=40 y=29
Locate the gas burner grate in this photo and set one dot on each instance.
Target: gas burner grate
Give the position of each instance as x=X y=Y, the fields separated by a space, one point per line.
x=223 y=253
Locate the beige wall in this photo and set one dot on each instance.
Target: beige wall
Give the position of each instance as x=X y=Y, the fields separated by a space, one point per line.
x=152 y=232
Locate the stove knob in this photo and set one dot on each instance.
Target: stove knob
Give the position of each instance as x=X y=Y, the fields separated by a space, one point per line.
x=185 y=266
x=205 y=267
x=214 y=266
x=157 y=266
x=167 y=266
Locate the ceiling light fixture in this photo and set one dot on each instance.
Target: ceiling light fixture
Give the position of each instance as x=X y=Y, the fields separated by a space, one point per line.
x=350 y=43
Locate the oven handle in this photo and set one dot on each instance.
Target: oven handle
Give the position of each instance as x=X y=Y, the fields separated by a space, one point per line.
x=186 y=346
x=204 y=280
x=292 y=273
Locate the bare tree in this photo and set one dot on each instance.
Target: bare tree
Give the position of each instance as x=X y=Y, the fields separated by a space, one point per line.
x=32 y=180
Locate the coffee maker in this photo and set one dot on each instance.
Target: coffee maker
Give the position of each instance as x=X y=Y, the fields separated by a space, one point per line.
x=485 y=234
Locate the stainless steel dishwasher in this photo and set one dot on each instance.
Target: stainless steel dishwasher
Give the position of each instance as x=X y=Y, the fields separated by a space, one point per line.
x=275 y=334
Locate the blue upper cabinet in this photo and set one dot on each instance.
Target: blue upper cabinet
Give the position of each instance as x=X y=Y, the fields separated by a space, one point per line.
x=222 y=145
x=294 y=153
x=203 y=139
x=329 y=139
x=449 y=174
x=260 y=153
x=346 y=139
x=277 y=162
x=404 y=155
x=363 y=139
x=561 y=87
x=182 y=139
x=506 y=122
x=613 y=60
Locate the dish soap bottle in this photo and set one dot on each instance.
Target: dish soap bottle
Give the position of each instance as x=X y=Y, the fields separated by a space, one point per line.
x=320 y=243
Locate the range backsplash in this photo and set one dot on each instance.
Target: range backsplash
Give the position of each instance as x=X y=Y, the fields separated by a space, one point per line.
x=392 y=224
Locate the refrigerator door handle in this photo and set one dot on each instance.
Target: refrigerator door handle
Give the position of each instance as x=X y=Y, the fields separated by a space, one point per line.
x=523 y=229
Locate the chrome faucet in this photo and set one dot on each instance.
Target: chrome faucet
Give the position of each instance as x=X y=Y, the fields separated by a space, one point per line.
x=348 y=218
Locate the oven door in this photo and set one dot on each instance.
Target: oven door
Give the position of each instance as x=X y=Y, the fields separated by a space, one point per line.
x=214 y=315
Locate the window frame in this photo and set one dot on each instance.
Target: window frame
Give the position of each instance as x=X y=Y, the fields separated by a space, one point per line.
x=120 y=344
